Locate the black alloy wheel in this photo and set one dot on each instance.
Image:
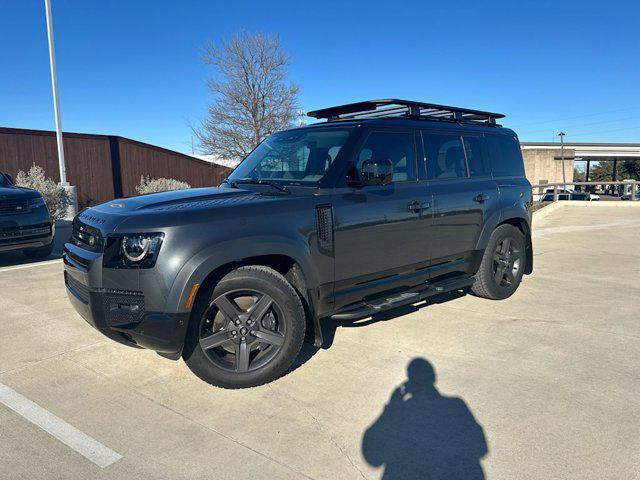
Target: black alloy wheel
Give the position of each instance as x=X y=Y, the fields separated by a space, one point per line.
x=241 y=330
x=246 y=330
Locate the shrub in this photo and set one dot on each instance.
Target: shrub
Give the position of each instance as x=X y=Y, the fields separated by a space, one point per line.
x=55 y=196
x=155 y=185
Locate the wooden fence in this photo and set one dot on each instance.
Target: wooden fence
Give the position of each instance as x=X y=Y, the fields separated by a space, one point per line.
x=102 y=167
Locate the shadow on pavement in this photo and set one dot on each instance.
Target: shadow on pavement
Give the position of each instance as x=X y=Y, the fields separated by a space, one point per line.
x=423 y=434
x=63 y=233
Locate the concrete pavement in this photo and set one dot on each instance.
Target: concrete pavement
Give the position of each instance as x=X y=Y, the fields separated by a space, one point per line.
x=544 y=385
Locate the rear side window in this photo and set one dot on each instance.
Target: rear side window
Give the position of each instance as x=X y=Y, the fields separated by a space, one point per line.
x=445 y=156
x=505 y=156
x=476 y=159
x=397 y=147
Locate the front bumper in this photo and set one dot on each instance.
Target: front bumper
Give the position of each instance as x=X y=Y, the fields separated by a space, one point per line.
x=17 y=237
x=117 y=313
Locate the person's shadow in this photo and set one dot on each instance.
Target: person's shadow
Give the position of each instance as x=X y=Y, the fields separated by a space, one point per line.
x=422 y=434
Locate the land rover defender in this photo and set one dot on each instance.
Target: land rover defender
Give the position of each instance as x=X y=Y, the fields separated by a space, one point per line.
x=384 y=204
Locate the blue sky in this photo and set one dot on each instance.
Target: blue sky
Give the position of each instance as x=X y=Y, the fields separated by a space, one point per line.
x=133 y=68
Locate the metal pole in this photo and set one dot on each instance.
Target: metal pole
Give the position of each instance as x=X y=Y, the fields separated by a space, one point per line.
x=564 y=178
x=56 y=103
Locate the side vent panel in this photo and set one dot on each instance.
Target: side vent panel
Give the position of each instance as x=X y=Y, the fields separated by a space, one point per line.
x=324 y=228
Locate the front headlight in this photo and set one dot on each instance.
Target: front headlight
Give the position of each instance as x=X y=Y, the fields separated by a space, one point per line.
x=137 y=247
x=36 y=202
x=137 y=250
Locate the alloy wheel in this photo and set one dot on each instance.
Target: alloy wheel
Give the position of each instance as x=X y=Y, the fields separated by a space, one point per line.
x=242 y=330
x=507 y=260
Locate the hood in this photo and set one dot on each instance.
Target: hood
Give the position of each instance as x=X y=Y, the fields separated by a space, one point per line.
x=11 y=192
x=190 y=199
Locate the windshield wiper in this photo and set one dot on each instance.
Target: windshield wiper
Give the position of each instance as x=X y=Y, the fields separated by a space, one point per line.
x=259 y=181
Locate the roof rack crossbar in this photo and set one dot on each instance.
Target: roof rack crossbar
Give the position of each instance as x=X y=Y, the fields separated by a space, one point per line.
x=394 y=107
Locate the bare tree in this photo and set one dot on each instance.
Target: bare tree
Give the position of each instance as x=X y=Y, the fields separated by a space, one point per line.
x=253 y=96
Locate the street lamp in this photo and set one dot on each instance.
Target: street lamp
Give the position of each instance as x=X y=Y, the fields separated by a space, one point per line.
x=564 y=178
x=56 y=107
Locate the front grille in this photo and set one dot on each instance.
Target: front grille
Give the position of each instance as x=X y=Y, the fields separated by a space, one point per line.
x=11 y=234
x=13 y=206
x=81 y=291
x=85 y=236
x=121 y=308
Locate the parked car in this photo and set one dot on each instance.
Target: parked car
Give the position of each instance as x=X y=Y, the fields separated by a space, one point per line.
x=584 y=196
x=594 y=197
x=25 y=223
x=628 y=196
x=345 y=219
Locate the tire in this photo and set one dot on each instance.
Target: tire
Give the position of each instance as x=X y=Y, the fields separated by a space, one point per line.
x=500 y=272
x=40 y=252
x=245 y=331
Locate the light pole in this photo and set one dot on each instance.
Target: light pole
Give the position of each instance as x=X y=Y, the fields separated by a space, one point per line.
x=56 y=107
x=564 y=178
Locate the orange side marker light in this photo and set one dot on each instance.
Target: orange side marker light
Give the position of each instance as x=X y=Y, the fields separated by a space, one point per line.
x=192 y=295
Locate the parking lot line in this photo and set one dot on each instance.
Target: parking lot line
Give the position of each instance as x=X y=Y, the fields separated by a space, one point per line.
x=30 y=265
x=86 y=446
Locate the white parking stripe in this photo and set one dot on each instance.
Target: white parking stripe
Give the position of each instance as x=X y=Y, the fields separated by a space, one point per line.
x=72 y=437
x=30 y=265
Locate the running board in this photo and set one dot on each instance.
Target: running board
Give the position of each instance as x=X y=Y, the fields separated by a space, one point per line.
x=413 y=295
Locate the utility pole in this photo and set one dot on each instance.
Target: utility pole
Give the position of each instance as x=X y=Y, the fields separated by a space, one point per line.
x=564 y=177
x=56 y=107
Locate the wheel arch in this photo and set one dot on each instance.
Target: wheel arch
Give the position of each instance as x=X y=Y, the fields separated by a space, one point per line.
x=288 y=258
x=524 y=227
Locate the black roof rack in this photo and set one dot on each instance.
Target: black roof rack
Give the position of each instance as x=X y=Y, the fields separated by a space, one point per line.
x=393 y=107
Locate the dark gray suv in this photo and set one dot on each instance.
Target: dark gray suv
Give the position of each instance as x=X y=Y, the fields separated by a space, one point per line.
x=386 y=203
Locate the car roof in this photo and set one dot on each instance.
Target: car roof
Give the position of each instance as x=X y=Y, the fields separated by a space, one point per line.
x=412 y=123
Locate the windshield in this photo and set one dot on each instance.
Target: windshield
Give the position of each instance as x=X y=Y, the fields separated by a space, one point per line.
x=295 y=157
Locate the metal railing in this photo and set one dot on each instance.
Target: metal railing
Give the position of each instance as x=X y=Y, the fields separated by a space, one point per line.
x=560 y=188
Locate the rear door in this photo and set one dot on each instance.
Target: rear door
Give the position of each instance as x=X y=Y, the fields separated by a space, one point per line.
x=464 y=196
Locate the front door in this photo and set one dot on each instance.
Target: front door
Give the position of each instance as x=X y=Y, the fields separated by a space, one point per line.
x=382 y=232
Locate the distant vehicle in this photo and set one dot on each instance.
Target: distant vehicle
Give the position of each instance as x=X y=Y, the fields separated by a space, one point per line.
x=584 y=196
x=25 y=222
x=628 y=196
x=593 y=197
x=548 y=197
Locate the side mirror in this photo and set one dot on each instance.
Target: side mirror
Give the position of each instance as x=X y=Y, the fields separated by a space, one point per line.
x=376 y=172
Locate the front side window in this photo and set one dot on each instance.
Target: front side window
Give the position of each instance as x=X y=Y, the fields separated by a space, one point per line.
x=477 y=161
x=505 y=155
x=397 y=147
x=4 y=181
x=445 y=156
x=299 y=157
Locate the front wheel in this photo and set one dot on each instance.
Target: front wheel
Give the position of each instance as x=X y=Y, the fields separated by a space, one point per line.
x=503 y=264
x=247 y=331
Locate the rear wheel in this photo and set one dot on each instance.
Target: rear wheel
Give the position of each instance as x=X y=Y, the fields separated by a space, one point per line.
x=247 y=331
x=503 y=264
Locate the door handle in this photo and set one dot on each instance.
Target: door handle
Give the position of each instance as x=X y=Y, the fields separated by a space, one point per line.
x=481 y=197
x=417 y=207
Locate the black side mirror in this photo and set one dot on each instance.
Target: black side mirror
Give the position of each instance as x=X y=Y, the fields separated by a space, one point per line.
x=376 y=172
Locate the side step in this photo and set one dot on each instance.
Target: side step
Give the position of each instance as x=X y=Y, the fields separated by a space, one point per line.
x=371 y=307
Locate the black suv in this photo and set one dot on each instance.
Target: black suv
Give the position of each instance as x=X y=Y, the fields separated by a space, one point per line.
x=384 y=204
x=25 y=223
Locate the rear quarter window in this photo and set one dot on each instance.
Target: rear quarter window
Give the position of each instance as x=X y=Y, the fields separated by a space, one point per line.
x=505 y=156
